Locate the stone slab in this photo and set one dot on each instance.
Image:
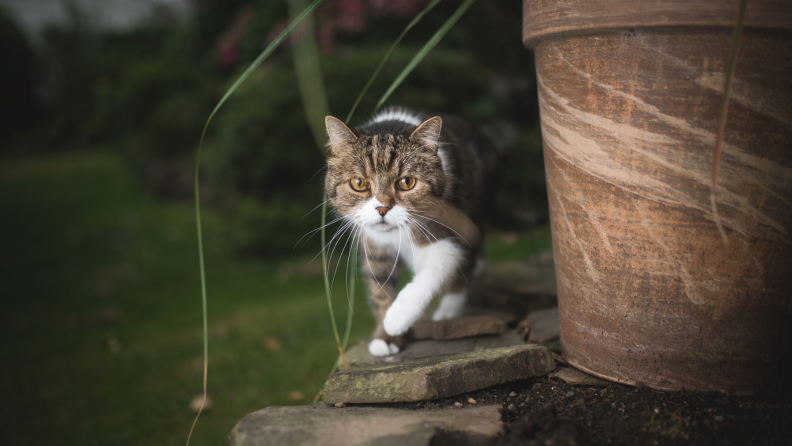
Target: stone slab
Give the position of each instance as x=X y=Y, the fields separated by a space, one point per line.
x=461 y=327
x=571 y=375
x=359 y=357
x=433 y=378
x=322 y=425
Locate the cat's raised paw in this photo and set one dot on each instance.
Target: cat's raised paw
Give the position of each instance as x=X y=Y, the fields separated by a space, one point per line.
x=378 y=347
x=397 y=321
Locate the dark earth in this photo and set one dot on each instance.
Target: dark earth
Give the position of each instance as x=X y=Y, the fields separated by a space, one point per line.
x=543 y=411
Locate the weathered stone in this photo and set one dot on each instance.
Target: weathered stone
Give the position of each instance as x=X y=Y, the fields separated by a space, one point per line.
x=359 y=356
x=571 y=375
x=438 y=377
x=322 y=425
x=544 y=325
x=462 y=327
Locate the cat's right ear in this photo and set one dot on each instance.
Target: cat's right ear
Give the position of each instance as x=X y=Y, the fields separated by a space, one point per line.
x=428 y=133
x=341 y=138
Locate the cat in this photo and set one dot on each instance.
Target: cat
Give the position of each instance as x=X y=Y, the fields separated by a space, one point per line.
x=387 y=179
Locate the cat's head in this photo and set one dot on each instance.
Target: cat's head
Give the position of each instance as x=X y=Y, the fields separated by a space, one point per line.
x=381 y=174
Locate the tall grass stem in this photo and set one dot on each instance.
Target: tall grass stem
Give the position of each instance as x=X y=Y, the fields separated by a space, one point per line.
x=299 y=19
x=309 y=75
x=412 y=23
x=327 y=285
x=425 y=50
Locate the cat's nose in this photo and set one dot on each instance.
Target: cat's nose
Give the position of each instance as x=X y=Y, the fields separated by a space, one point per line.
x=382 y=210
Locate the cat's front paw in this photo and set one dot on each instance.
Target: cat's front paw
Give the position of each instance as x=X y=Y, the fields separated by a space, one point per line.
x=399 y=318
x=378 y=347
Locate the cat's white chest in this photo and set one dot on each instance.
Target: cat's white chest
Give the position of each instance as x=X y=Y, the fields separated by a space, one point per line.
x=444 y=252
x=397 y=242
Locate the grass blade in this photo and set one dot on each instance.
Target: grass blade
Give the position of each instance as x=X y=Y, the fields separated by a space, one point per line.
x=327 y=285
x=309 y=76
x=412 y=23
x=425 y=50
x=723 y=114
x=351 y=279
x=305 y=14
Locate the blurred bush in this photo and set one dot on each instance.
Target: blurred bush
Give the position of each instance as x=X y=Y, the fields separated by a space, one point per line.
x=148 y=91
x=18 y=77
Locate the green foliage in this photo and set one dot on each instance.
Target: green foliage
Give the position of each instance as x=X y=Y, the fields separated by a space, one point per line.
x=99 y=290
x=17 y=79
x=149 y=90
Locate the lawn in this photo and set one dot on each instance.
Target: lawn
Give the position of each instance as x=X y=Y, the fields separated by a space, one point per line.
x=101 y=311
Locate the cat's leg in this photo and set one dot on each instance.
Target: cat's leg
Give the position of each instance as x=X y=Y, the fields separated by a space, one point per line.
x=436 y=265
x=382 y=278
x=453 y=303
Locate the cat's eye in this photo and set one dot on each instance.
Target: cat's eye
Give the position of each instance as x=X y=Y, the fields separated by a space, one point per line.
x=359 y=184
x=406 y=183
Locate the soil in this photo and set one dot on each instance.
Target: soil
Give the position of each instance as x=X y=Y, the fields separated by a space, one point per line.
x=544 y=411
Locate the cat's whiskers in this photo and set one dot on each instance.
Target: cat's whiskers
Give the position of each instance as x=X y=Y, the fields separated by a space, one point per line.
x=373 y=276
x=366 y=255
x=317 y=207
x=441 y=224
x=425 y=230
x=336 y=235
x=313 y=232
x=411 y=238
x=340 y=255
x=355 y=238
x=365 y=241
x=312 y=176
x=395 y=263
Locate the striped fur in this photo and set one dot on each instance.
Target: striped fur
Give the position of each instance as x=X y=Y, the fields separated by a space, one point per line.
x=450 y=160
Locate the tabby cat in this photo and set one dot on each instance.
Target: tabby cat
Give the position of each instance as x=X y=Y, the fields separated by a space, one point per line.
x=386 y=179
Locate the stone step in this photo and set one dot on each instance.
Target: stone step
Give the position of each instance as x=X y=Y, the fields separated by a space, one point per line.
x=438 y=377
x=322 y=425
x=359 y=356
x=458 y=328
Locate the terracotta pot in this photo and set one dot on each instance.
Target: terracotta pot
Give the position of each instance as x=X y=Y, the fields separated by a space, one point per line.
x=650 y=292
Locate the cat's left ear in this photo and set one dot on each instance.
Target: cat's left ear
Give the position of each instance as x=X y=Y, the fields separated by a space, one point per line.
x=340 y=135
x=428 y=133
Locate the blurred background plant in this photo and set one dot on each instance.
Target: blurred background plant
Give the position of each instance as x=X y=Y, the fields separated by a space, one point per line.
x=146 y=91
x=97 y=142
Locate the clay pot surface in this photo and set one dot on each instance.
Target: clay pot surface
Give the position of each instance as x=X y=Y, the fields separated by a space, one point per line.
x=650 y=292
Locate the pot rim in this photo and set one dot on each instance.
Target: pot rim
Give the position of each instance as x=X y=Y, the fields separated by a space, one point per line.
x=543 y=19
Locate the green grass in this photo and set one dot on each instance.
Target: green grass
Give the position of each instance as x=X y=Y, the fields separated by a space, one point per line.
x=88 y=259
x=90 y=262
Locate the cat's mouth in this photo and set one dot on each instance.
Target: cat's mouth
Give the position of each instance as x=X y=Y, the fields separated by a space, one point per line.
x=383 y=226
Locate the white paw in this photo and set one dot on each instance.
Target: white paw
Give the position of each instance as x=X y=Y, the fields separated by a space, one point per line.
x=399 y=318
x=378 y=347
x=393 y=349
x=397 y=321
x=452 y=306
